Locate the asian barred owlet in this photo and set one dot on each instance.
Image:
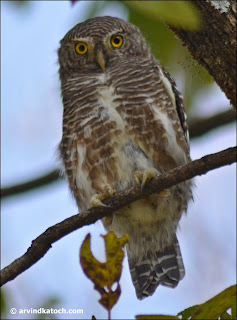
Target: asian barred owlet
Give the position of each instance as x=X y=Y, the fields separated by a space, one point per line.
x=123 y=124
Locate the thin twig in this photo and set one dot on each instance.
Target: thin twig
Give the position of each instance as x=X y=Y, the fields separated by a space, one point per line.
x=200 y=126
x=41 y=181
x=44 y=242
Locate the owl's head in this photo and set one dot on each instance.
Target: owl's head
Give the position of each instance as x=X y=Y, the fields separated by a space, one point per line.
x=91 y=46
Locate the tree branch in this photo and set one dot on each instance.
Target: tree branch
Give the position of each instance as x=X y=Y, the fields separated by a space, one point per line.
x=197 y=127
x=214 y=46
x=48 y=178
x=44 y=242
x=200 y=126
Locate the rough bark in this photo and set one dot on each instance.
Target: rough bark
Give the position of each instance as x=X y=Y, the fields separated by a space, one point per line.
x=214 y=46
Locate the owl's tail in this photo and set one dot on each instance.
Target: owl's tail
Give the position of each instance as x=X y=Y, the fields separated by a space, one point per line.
x=162 y=268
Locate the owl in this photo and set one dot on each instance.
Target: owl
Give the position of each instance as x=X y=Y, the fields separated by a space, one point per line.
x=123 y=124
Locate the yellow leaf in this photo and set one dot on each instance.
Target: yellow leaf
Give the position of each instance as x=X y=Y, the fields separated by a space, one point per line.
x=115 y=255
x=104 y=275
x=94 y=269
x=178 y=13
x=109 y=299
x=215 y=307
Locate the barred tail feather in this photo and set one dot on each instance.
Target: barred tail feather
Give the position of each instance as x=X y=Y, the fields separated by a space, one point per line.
x=163 y=268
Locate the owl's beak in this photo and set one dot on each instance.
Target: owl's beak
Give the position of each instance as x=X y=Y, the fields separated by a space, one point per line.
x=101 y=59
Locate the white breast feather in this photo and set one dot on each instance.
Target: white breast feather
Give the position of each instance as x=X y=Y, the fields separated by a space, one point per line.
x=172 y=148
x=168 y=87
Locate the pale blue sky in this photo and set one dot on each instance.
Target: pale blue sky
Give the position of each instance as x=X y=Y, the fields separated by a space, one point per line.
x=30 y=132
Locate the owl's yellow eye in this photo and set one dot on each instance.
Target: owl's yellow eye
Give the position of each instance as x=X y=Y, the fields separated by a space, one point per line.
x=116 y=41
x=81 y=48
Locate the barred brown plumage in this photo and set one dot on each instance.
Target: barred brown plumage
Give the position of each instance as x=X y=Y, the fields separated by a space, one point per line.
x=123 y=123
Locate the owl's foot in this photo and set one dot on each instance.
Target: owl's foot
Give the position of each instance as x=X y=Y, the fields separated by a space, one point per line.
x=142 y=178
x=164 y=194
x=96 y=200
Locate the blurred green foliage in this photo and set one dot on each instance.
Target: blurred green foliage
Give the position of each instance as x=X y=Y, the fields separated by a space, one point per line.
x=50 y=302
x=3 y=303
x=214 y=308
x=19 y=4
x=178 y=13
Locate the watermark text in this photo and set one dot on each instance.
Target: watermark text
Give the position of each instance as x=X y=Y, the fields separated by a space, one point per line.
x=46 y=311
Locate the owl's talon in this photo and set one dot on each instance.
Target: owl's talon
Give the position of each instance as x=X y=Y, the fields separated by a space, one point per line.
x=108 y=220
x=138 y=176
x=96 y=200
x=147 y=176
x=164 y=194
x=108 y=191
x=142 y=178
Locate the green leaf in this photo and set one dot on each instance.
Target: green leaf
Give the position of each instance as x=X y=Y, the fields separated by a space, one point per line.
x=187 y=313
x=225 y=316
x=178 y=13
x=215 y=307
x=154 y=317
x=3 y=301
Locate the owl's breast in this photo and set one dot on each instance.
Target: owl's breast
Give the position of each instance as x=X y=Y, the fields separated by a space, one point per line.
x=116 y=123
x=147 y=106
x=95 y=144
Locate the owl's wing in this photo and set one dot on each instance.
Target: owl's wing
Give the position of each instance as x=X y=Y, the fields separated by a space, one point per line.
x=175 y=95
x=153 y=115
